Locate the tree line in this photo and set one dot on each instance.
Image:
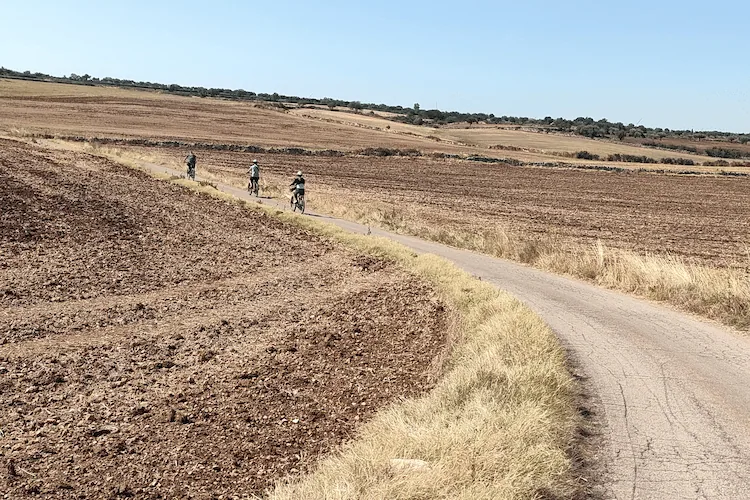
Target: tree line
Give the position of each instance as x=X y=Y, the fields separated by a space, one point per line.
x=236 y=94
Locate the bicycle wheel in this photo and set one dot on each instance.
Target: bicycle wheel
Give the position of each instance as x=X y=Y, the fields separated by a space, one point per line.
x=293 y=204
x=301 y=203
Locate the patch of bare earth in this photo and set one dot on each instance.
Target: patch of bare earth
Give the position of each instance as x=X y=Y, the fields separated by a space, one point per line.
x=156 y=343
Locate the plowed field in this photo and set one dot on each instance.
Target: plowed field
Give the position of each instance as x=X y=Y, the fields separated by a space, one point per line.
x=36 y=107
x=703 y=219
x=105 y=112
x=158 y=343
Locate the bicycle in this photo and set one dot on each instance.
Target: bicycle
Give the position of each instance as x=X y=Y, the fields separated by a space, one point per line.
x=298 y=202
x=252 y=187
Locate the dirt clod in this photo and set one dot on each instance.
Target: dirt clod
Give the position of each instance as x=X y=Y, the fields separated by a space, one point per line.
x=12 y=472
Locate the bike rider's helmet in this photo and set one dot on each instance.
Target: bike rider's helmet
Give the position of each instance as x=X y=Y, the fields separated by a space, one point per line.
x=255 y=161
x=299 y=173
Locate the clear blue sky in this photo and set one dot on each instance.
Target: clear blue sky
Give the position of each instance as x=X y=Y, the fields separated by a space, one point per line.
x=675 y=64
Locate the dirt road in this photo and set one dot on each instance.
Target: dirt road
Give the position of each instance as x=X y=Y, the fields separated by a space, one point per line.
x=673 y=391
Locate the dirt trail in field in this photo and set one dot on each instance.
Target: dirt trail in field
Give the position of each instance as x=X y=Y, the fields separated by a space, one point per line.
x=672 y=391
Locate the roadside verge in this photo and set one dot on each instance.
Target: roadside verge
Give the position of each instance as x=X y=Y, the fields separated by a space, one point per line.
x=501 y=422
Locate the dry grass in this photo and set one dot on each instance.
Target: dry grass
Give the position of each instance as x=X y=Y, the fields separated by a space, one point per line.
x=110 y=112
x=498 y=425
x=721 y=294
x=501 y=422
x=717 y=293
x=20 y=88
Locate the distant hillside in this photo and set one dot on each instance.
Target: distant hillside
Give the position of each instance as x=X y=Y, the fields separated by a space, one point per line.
x=583 y=126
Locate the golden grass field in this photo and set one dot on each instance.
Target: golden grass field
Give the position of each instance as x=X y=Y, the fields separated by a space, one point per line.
x=34 y=107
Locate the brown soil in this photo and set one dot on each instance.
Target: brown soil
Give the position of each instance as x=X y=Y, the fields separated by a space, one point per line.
x=156 y=343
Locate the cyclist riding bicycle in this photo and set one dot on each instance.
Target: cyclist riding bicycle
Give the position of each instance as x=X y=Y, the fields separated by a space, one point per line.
x=254 y=177
x=297 y=187
x=190 y=160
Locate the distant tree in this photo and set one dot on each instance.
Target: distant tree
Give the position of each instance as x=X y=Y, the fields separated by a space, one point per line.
x=621 y=134
x=416 y=107
x=434 y=114
x=585 y=155
x=725 y=153
x=630 y=158
x=588 y=131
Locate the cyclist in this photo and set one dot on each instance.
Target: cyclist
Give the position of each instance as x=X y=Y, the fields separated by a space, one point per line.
x=297 y=187
x=190 y=161
x=254 y=177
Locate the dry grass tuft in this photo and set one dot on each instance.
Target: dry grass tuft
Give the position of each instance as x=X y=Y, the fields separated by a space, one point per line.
x=719 y=293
